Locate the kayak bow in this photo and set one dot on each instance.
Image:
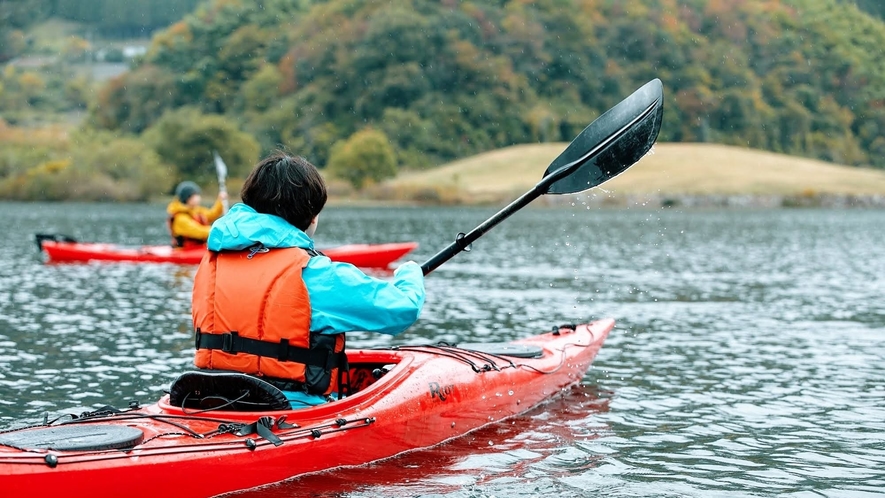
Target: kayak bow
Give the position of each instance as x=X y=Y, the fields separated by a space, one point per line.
x=405 y=398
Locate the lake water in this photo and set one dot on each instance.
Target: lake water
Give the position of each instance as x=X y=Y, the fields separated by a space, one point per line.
x=748 y=359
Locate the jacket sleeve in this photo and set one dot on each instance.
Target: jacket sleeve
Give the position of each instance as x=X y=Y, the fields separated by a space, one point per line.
x=344 y=299
x=215 y=211
x=185 y=226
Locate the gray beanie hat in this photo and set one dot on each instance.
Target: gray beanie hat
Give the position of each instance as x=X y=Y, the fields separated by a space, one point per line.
x=185 y=190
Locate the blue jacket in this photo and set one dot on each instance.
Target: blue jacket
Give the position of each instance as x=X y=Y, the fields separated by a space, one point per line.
x=342 y=298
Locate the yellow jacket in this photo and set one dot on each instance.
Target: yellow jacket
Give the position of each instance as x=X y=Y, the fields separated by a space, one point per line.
x=191 y=224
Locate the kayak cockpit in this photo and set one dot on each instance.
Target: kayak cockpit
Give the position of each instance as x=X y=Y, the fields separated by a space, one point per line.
x=218 y=390
x=207 y=392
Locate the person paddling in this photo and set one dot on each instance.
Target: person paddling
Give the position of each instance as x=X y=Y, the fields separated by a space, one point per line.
x=188 y=221
x=267 y=304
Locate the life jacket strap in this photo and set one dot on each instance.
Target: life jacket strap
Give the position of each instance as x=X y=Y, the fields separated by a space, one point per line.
x=344 y=389
x=232 y=343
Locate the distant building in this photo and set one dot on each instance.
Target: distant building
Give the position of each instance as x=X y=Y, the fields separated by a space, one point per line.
x=130 y=51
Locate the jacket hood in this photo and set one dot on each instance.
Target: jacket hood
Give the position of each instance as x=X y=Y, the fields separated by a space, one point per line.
x=243 y=227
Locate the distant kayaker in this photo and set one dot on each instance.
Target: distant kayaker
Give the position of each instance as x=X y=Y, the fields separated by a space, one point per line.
x=188 y=221
x=266 y=303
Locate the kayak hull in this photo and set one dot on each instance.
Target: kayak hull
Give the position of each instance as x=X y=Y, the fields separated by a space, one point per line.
x=431 y=394
x=362 y=255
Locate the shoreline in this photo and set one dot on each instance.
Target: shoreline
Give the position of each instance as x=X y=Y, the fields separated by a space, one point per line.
x=651 y=201
x=588 y=200
x=732 y=201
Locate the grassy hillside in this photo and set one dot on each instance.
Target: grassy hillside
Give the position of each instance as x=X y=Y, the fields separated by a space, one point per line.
x=671 y=170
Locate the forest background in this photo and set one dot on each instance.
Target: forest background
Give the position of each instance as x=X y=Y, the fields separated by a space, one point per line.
x=370 y=89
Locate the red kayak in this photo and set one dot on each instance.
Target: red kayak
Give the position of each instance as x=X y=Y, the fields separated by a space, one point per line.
x=197 y=442
x=60 y=249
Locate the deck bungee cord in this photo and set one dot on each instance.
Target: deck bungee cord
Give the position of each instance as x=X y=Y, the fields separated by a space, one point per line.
x=260 y=427
x=491 y=360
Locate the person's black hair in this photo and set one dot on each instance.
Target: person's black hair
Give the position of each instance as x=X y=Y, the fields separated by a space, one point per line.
x=285 y=186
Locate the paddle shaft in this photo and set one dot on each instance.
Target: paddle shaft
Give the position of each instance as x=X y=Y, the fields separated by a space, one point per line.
x=221 y=170
x=461 y=243
x=222 y=189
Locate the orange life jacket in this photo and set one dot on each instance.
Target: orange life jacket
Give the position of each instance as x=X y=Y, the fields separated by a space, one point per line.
x=252 y=315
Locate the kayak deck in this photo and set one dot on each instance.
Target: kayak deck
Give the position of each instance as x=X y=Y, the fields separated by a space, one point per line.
x=361 y=255
x=406 y=398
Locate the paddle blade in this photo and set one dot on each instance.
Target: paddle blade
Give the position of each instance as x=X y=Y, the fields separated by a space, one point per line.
x=610 y=144
x=220 y=167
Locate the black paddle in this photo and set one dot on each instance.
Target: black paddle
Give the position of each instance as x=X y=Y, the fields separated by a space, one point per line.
x=606 y=148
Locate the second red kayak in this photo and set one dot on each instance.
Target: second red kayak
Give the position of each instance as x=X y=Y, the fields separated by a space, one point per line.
x=61 y=249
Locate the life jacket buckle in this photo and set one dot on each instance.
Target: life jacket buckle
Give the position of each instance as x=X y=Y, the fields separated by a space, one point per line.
x=283 y=354
x=228 y=340
x=257 y=248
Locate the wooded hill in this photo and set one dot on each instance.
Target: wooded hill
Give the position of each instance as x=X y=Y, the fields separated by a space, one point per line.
x=448 y=79
x=419 y=83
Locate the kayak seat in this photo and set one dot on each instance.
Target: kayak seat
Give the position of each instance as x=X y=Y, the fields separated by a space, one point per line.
x=225 y=390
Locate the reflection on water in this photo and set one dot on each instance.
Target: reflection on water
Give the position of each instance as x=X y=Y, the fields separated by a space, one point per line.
x=748 y=358
x=552 y=441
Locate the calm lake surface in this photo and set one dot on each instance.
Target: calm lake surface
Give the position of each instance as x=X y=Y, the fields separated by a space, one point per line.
x=748 y=358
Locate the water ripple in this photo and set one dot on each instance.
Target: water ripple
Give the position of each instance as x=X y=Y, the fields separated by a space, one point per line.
x=747 y=359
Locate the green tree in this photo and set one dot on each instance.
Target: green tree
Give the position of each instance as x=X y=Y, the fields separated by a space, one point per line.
x=414 y=138
x=365 y=157
x=185 y=139
x=261 y=91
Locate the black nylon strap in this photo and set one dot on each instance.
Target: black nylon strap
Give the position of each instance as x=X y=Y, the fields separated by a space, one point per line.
x=344 y=385
x=232 y=343
x=263 y=427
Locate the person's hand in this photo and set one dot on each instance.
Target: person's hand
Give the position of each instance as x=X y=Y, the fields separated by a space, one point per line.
x=222 y=196
x=406 y=265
